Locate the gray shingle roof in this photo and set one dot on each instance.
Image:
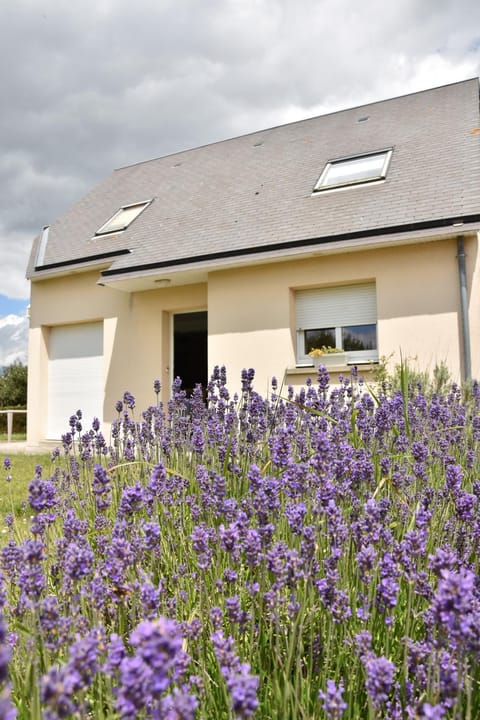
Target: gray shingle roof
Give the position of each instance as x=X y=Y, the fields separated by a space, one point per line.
x=255 y=191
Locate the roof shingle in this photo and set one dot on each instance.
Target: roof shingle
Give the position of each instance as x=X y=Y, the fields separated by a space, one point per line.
x=255 y=191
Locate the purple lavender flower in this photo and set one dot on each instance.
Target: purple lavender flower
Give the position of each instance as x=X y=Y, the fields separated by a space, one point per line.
x=216 y=616
x=180 y=705
x=363 y=644
x=152 y=535
x=295 y=514
x=10 y=559
x=252 y=546
x=134 y=688
x=132 y=500
x=84 y=656
x=78 y=561
x=56 y=694
x=243 y=691
x=431 y=712
x=129 y=400
x=149 y=598
x=31 y=577
x=455 y=608
x=157 y=643
x=60 y=685
x=332 y=699
x=73 y=528
x=42 y=494
x=115 y=654
x=380 y=675
x=101 y=487
x=387 y=588
x=241 y=685
x=50 y=622
x=230 y=539
x=235 y=612
x=5 y=653
x=444 y=558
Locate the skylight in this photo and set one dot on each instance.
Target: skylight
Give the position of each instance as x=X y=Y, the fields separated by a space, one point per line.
x=354 y=170
x=122 y=218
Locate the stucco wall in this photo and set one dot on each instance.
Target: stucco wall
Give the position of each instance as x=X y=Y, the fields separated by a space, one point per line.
x=251 y=319
x=136 y=337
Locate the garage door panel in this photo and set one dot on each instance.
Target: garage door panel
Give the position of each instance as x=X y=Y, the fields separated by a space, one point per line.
x=80 y=341
x=75 y=376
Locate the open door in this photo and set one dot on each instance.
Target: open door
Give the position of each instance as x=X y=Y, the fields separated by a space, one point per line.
x=190 y=349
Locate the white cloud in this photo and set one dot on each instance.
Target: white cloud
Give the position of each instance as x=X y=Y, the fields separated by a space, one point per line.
x=15 y=249
x=13 y=339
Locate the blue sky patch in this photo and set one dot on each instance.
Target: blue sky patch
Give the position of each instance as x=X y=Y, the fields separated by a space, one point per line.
x=12 y=306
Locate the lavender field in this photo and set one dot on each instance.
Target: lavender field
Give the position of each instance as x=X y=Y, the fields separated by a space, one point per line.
x=311 y=556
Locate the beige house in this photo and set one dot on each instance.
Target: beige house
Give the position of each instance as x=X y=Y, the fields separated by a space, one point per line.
x=357 y=230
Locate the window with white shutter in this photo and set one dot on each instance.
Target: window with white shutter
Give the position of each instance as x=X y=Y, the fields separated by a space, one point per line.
x=342 y=317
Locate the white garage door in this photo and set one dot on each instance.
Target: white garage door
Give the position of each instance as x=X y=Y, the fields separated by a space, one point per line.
x=75 y=376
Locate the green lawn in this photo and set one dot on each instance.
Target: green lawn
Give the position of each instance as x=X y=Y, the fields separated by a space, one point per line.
x=14 y=492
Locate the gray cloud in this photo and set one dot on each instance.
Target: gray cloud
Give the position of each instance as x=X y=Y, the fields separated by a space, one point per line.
x=94 y=85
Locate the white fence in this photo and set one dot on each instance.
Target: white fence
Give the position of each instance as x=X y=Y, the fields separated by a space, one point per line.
x=9 y=414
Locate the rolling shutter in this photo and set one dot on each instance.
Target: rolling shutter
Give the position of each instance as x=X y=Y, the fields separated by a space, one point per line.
x=75 y=376
x=336 y=306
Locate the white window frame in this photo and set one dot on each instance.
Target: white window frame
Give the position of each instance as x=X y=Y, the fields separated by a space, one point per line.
x=324 y=183
x=114 y=226
x=316 y=308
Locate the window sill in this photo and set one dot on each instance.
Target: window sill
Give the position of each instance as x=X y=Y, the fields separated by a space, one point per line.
x=309 y=369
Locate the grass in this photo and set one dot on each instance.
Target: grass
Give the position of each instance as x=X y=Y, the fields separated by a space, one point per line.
x=16 y=437
x=13 y=493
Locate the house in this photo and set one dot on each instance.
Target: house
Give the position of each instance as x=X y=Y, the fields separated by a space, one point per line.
x=358 y=229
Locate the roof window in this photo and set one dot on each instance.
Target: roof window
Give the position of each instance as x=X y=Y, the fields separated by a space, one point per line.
x=122 y=218
x=354 y=170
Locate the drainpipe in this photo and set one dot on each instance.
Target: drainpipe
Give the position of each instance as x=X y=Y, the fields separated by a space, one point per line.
x=467 y=361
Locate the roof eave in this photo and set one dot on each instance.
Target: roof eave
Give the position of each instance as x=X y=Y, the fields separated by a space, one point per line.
x=147 y=278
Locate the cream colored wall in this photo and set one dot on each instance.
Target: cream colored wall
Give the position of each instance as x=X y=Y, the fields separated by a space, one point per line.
x=252 y=314
x=251 y=319
x=37 y=384
x=136 y=338
x=75 y=298
x=151 y=335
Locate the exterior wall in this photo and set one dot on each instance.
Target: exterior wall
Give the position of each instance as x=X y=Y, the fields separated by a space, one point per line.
x=136 y=338
x=252 y=314
x=251 y=319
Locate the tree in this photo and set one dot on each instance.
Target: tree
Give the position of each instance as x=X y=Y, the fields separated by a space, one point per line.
x=13 y=385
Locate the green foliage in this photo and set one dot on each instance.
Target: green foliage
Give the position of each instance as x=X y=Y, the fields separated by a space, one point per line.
x=406 y=376
x=13 y=386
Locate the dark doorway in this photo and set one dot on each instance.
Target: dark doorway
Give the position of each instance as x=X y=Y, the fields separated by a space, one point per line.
x=190 y=349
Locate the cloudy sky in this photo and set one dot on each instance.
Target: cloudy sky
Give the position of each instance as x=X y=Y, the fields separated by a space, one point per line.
x=90 y=85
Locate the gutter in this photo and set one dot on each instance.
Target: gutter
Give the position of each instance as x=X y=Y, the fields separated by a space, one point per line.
x=303 y=243
x=462 y=275
x=77 y=261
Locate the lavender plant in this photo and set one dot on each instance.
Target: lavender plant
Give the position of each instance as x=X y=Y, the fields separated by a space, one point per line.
x=309 y=555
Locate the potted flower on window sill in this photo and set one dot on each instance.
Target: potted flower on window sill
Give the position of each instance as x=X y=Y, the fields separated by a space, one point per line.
x=328 y=356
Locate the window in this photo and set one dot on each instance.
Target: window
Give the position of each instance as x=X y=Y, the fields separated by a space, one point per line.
x=122 y=218
x=354 y=170
x=344 y=317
